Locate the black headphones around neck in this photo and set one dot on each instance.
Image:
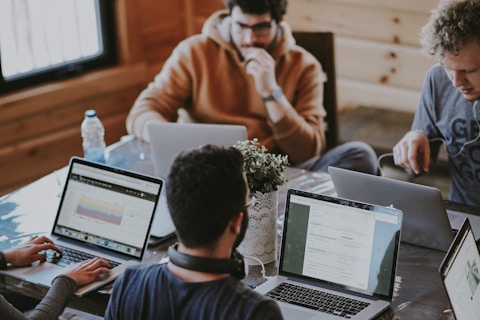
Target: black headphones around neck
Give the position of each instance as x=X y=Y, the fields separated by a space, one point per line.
x=235 y=265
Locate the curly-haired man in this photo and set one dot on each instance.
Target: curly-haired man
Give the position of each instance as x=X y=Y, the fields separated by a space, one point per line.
x=448 y=111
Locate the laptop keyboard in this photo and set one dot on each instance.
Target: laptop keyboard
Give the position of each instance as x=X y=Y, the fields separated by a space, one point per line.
x=317 y=300
x=71 y=256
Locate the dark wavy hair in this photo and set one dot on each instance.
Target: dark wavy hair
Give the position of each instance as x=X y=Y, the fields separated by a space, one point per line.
x=277 y=8
x=452 y=25
x=205 y=188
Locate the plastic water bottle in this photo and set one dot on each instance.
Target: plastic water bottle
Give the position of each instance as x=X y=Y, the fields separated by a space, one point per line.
x=93 y=134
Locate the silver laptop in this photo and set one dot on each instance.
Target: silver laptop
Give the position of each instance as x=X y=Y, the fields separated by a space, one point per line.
x=426 y=222
x=340 y=254
x=461 y=274
x=168 y=139
x=105 y=212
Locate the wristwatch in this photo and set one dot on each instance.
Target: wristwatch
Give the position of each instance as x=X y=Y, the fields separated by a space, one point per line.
x=276 y=95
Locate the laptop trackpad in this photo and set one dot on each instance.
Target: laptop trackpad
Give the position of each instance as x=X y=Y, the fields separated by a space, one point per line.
x=289 y=312
x=43 y=273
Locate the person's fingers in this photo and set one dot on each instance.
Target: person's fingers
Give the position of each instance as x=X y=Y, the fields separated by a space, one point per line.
x=98 y=263
x=93 y=264
x=426 y=160
x=46 y=246
x=41 y=239
x=87 y=271
x=400 y=152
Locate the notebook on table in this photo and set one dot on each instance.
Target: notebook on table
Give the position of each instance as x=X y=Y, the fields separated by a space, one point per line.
x=461 y=276
x=104 y=212
x=168 y=139
x=335 y=251
x=426 y=221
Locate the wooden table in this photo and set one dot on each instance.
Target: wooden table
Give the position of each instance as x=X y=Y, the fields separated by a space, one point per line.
x=419 y=293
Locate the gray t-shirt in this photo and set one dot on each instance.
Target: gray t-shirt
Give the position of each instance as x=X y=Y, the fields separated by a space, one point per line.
x=444 y=113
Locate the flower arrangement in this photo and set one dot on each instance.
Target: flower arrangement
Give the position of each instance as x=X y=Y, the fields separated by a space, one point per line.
x=263 y=169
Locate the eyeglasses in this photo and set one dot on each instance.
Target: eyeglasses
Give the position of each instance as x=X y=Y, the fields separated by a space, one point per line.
x=250 y=203
x=260 y=29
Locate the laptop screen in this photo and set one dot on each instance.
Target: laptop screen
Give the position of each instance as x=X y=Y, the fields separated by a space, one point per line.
x=461 y=276
x=339 y=242
x=107 y=207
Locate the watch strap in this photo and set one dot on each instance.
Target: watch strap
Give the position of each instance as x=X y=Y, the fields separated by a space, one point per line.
x=276 y=95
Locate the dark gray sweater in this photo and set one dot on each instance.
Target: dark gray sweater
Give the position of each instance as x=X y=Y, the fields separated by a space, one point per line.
x=50 y=307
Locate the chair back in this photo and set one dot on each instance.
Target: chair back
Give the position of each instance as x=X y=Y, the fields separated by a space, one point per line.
x=321 y=45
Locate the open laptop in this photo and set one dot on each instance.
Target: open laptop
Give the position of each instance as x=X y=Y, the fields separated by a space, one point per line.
x=339 y=247
x=168 y=139
x=105 y=212
x=426 y=222
x=461 y=274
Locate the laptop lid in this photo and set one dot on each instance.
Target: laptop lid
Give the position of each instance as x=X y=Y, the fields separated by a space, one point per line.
x=168 y=139
x=425 y=222
x=338 y=246
x=461 y=276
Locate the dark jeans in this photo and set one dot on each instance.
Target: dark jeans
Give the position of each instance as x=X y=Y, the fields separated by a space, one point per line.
x=355 y=155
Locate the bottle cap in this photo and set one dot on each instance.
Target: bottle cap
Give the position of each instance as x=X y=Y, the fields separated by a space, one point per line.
x=90 y=113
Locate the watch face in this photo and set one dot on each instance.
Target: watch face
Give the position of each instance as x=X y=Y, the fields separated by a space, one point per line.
x=277 y=93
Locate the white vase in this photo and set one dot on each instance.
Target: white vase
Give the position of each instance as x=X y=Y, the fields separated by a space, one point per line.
x=260 y=239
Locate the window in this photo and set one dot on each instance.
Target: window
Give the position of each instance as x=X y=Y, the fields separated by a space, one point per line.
x=48 y=40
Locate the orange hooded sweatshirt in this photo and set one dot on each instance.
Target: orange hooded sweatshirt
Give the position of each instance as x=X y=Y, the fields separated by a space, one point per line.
x=206 y=76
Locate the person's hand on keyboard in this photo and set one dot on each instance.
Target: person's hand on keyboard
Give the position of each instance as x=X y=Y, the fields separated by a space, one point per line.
x=87 y=271
x=32 y=250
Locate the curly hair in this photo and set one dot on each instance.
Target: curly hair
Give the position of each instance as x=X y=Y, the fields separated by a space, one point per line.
x=276 y=8
x=451 y=26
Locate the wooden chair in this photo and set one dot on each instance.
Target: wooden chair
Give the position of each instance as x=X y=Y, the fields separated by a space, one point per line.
x=321 y=45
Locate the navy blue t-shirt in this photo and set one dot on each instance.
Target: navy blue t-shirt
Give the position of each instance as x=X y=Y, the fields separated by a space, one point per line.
x=152 y=292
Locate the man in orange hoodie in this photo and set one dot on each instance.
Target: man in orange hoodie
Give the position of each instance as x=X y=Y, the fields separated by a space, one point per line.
x=245 y=68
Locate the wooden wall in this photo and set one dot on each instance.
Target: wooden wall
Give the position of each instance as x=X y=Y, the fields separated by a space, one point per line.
x=379 y=62
x=377 y=54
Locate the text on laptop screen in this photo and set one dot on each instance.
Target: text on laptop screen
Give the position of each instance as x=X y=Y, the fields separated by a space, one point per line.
x=462 y=277
x=351 y=247
x=107 y=209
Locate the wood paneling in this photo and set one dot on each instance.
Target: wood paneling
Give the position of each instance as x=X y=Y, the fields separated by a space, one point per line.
x=360 y=93
x=381 y=63
x=356 y=19
x=378 y=56
x=40 y=128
